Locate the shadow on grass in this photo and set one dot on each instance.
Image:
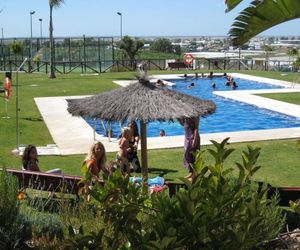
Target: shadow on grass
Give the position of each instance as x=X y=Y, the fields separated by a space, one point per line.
x=33 y=119
x=161 y=171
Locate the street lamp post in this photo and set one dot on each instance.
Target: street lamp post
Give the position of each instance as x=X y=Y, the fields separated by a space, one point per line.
x=41 y=30
x=120 y=14
x=17 y=150
x=30 y=52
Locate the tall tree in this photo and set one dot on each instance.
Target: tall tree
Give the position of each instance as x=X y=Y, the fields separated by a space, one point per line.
x=295 y=54
x=52 y=4
x=130 y=46
x=162 y=45
x=267 y=49
x=260 y=16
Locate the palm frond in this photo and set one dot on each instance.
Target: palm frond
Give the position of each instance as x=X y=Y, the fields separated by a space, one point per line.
x=260 y=16
x=56 y=3
x=231 y=4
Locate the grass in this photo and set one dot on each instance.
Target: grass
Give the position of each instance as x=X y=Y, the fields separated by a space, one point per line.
x=290 y=77
x=293 y=98
x=280 y=159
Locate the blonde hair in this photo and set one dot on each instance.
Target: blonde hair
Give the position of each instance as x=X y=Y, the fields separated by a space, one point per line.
x=91 y=155
x=124 y=130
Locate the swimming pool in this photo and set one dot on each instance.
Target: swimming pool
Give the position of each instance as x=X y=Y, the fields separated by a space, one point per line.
x=229 y=116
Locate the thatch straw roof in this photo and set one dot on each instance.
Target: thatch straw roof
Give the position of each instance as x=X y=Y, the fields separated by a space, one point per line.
x=141 y=101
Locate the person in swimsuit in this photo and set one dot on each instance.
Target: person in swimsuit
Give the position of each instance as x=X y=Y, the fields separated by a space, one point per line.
x=133 y=143
x=191 y=143
x=124 y=148
x=96 y=159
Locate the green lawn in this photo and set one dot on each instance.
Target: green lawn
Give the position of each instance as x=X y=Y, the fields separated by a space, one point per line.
x=280 y=159
x=293 y=98
x=290 y=77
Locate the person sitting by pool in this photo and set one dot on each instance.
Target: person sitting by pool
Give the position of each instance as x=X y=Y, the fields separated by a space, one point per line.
x=162 y=133
x=30 y=161
x=210 y=75
x=191 y=85
x=159 y=82
x=213 y=85
x=185 y=75
x=196 y=75
x=233 y=85
x=124 y=146
x=225 y=75
x=95 y=160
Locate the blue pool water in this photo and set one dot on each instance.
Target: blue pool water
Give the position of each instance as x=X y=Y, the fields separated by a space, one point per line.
x=229 y=116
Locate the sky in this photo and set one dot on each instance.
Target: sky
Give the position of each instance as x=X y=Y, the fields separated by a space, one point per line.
x=139 y=18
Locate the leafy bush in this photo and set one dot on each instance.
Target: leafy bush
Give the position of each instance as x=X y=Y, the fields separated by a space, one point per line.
x=121 y=204
x=14 y=228
x=43 y=224
x=215 y=211
x=9 y=207
x=16 y=47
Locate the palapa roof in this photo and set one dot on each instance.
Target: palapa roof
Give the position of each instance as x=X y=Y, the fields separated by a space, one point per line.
x=141 y=101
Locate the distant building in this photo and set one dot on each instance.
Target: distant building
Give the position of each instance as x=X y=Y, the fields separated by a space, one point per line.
x=287 y=43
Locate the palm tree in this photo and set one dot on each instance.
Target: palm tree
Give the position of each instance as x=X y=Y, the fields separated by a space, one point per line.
x=293 y=53
x=267 y=49
x=260 y=16
x=52 y=4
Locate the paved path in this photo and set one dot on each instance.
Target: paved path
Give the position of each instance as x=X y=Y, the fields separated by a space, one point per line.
x=73 y=135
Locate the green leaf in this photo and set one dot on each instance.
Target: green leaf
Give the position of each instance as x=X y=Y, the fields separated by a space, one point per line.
x=81 y=230
x=260 y=16
x=254 y=170
x=227 y=153
x=71 y=231
x=194 y=194
x=231 y=4
x=227 y=171
x=186 y=182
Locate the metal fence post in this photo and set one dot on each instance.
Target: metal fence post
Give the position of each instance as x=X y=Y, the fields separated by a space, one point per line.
x=70 y=56
x=99 y=58
x=84 y=55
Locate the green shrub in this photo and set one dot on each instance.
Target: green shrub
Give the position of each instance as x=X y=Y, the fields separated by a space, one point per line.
x=15 y=230
x=17 y=47
x=121 y=204
x=9 y=206
x=218 y=211
x=215 y=211
x=43 y=224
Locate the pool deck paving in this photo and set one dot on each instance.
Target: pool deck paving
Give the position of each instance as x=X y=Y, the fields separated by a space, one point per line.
x=73 y=135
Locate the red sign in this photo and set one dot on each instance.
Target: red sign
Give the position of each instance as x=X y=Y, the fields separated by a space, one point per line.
x=188 y=58
x=7 y=86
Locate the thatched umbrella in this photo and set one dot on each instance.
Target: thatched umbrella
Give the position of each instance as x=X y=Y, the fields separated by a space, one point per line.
x=141 y=101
